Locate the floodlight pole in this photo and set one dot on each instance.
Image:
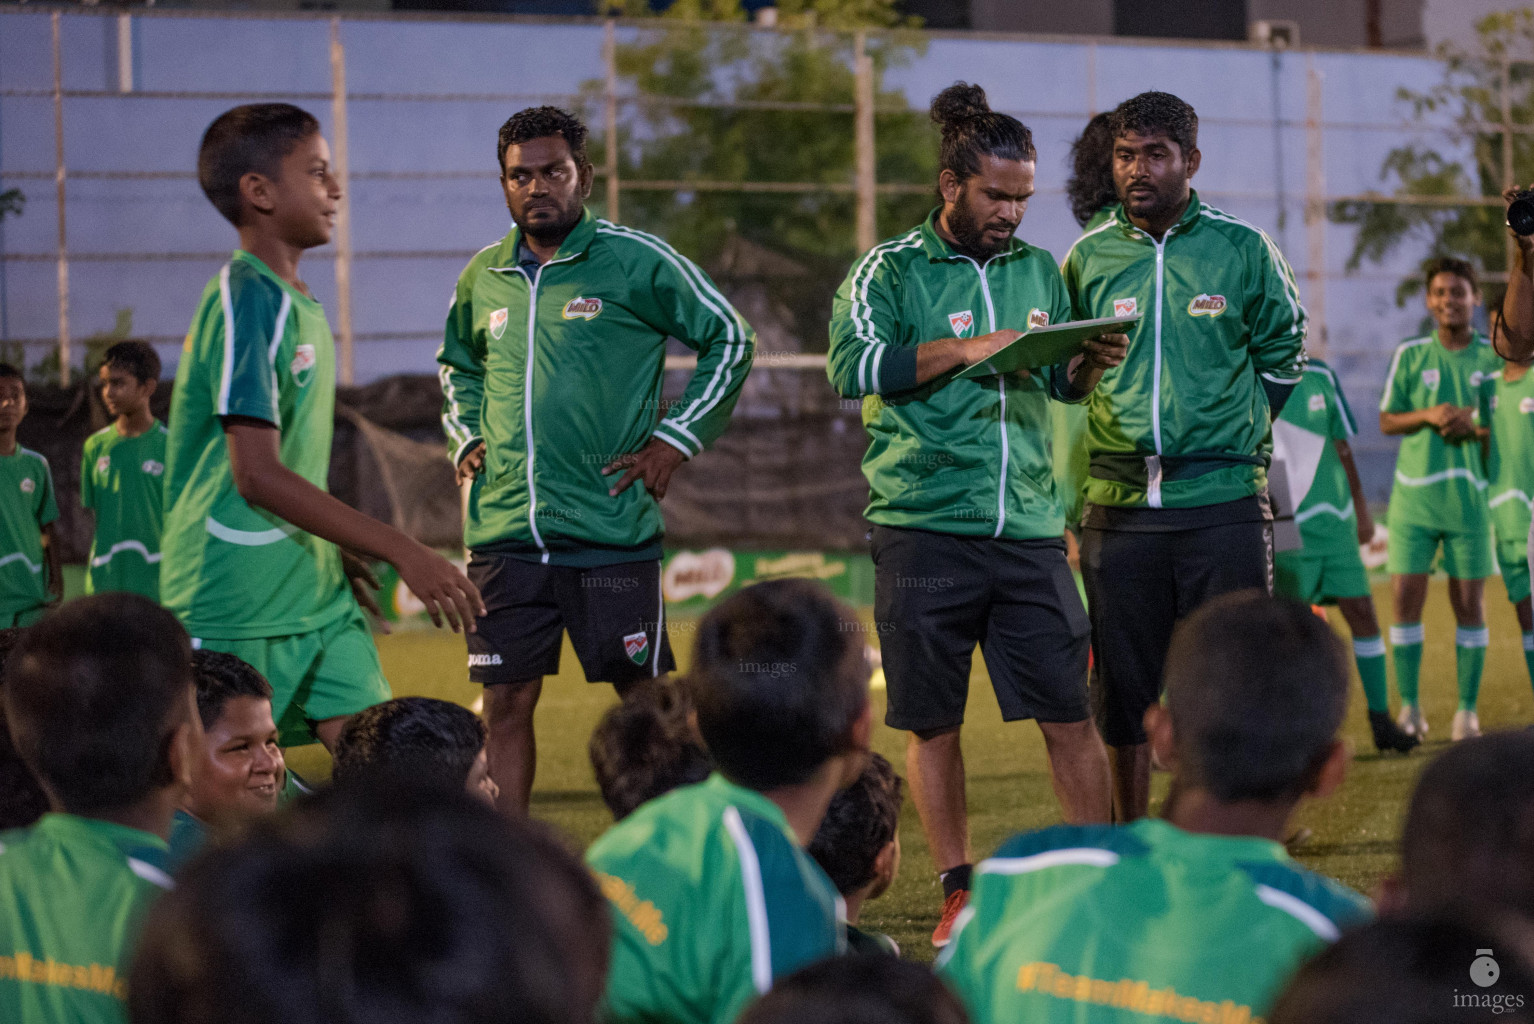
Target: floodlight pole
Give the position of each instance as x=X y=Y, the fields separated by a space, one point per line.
x=1315 y=207
x=343 y=235
x=866 y=185
x=610 y=110
x=59 y=177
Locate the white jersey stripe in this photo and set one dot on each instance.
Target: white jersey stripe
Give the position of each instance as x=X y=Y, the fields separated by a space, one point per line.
x=756 y=900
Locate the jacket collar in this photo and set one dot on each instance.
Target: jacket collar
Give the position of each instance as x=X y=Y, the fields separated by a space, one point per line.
x=575 y=244
x=1188 y=217
x=937 y=247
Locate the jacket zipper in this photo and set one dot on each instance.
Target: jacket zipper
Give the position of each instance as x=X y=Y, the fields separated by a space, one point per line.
x=1001 y=392
x=527 y=400
x=1153 y=464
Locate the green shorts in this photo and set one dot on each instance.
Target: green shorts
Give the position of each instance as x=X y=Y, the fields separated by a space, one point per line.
x=1513 y=560
x=330 y=672
x=1320 y=578
x=1466 y=556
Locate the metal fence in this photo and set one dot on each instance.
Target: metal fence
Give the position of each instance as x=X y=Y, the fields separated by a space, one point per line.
x=100 y=113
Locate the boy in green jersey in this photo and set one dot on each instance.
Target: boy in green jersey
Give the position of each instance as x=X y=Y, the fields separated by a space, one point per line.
x=1432 y=401
x=252 y=544
x=713 y=895
x=1200 y=915
x=122 y=476
x=99 y=699
x=239 y=771
x=391 y=903
x=858 y=845
x=418 y=738
x=30 y=576
x=1333 y=519
x=1507 y=410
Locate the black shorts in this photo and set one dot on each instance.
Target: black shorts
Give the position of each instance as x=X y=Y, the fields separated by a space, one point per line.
x=615 y=615
x=1139 y=586
x=937 y=595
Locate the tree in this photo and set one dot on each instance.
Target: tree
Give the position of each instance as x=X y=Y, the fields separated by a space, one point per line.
x=719 y=103
x=1471 y=92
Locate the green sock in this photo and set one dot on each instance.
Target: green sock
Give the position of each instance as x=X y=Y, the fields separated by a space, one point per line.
x=1469 y=660
x=1369 y=654
x=1528 y=653
x=1406 y=645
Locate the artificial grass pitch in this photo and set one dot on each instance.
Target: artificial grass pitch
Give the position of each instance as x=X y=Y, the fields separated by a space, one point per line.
x=1355 y=832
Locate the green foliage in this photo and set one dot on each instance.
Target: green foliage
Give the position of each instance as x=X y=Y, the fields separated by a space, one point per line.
x=1471 y=93
x=46 y=370
x=11 y=201
x=701 y=132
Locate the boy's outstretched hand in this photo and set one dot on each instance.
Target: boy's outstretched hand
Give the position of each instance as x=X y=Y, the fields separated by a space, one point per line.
x=446 y=592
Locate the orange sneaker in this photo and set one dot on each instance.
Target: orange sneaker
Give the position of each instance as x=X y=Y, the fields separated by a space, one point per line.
x=956 y=902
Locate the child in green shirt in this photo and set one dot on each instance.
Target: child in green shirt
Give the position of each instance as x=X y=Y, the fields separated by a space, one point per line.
x=30 y=578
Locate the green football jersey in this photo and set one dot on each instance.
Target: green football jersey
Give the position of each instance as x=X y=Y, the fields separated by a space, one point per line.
x=122 y=480
x=258 y=349
x=712 y=899
x=1316 y=415
x=1439 y=484
x=29 y=507
x=1507 y=407
x=72 y=893
x=1139 y=922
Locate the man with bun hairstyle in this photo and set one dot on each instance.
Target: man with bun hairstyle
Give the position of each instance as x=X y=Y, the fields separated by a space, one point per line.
x=967 y=521
x=1179 y=435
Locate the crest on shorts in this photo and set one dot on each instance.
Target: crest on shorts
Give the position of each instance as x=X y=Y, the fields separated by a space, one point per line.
x=498 y=323
x=104 y=463
x=581 y=309
x=28 y=485
x=302 y=366
x=963 y=324
x=1037 y=318
x=1430 y=379
x=637 y=647
x=1126 y=307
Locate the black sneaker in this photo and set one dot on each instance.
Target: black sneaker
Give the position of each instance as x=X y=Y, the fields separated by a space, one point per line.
x=1388 y=735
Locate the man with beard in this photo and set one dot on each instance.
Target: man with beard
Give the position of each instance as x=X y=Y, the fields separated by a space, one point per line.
x=1179 y=435
x=551 y=369
x=967 y=522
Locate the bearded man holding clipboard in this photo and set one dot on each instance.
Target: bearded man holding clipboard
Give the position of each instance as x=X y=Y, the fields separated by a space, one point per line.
x=967 y=523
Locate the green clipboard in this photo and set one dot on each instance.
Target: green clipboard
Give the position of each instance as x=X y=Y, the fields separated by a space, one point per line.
x=1046 y=346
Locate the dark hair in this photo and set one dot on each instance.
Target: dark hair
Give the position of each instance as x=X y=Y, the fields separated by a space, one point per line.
x=860 y=822
x=136 y=357
x=537 y=123
x=971 y=128
x=7 y=371
x=1157 y=113
x=219 y=677
x=858 y=990
x=411 y=736
x=773 y=684
x=644 y=747
x=255 y=137
x=1231 y=663
x=377 y=904
x=1410 y=972
x=93 y=693
x=1090 y=186
x=1469 y=834
x=1450 y=265
x=22 y=800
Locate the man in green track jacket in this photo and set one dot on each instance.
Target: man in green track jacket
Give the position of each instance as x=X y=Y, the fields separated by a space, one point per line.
x=968 y=526
x=551 y=369
x=1179 y=435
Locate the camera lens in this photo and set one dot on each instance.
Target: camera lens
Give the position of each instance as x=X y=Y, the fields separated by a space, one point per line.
x=1520 y=215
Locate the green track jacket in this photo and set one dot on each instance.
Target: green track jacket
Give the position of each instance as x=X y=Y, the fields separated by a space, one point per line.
x=966 y=457
x=558 y=369
x=1184 y=422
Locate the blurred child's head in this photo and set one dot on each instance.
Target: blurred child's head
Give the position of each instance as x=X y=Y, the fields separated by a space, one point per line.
x=100 y=702
x=779 y=681
x=266 y=166
x=13 y=397
x=22 y=800
x=421 y=738
x=858 y=843
x=129 y=374
x=240 y=773
x=858 y=990
x=645 y=747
